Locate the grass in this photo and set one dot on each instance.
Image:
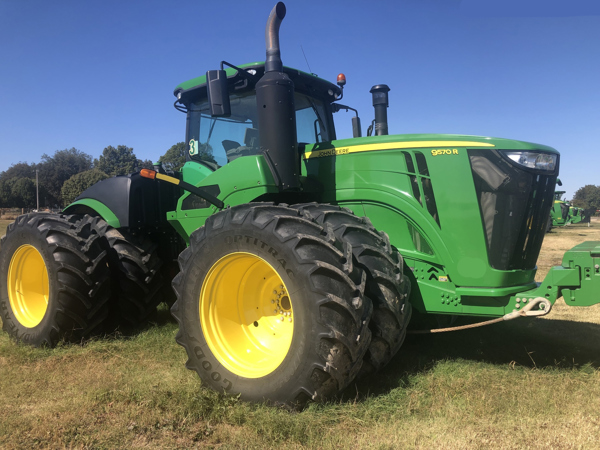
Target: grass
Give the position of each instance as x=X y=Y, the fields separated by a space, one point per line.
x=529 y=383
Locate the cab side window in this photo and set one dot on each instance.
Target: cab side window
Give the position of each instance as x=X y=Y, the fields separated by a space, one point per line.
x=311 y=125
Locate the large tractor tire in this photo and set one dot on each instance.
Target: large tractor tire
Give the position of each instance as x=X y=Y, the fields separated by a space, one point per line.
x=54 y=281
x=271 y=307
x=137 y=281
x=549 y=224
x=387 y=286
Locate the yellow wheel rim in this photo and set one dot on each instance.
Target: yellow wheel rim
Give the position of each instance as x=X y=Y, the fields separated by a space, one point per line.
x=28 y=287
x=246 y=315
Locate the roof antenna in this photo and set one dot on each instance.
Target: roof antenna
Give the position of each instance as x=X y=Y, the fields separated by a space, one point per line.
x=302 y=48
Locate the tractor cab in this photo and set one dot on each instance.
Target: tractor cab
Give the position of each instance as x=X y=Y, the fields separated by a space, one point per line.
x=217 y=139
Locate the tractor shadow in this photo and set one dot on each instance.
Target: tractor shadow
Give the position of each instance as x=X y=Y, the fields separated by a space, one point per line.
x=114 y=329
x=530 y=343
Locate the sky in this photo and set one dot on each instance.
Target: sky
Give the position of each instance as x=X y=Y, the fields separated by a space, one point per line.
x=89 y=74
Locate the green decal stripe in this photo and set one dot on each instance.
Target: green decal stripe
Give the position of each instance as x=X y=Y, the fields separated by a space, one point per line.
x=392 y=146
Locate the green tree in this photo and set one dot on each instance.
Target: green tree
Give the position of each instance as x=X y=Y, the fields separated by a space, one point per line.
x=19 y=170
x=587 y=197
x=6 y=192
x=144 y=164
x=79 y=183
x=117 y=161
x=175 y=157
x=55 y=170
x=23 y=192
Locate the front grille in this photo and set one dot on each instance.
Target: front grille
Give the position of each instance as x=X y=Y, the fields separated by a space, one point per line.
x=514 y=206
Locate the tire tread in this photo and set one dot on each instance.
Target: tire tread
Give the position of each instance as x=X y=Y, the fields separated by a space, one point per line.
x=340 y=351
x=83 y=283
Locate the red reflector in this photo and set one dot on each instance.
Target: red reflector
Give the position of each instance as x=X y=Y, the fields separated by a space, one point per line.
x=147 y=173
x=341 y=79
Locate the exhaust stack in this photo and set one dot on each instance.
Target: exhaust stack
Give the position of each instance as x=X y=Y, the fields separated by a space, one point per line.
x=276 y=111
x=273 y=62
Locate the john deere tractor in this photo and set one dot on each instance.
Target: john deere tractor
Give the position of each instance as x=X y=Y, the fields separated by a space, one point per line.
x=301 y=256
x=563 y=213
x=561 y=210
x=578 y=215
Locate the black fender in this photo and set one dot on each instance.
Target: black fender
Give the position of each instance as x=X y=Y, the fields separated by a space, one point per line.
x=132 y=200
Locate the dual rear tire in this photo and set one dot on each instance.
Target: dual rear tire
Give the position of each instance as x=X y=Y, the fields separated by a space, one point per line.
x=275 y=303
x=138 y=279
x=54 y=280
x=386 y=285
x=66 y=277
x=270 y=306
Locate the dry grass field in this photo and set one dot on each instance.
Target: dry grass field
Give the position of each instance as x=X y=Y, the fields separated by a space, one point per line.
x=528 y=383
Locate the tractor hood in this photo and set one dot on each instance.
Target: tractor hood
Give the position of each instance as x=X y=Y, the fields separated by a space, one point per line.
x=437 y=142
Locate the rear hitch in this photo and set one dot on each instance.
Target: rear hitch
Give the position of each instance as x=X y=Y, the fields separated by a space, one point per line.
x=544 y=306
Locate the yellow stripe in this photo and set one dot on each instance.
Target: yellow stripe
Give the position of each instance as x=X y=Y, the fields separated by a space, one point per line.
x=167 y=178
x=392 y=145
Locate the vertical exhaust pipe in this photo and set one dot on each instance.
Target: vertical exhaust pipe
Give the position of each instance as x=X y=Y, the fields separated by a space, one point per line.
x=273 y=62
x=276 y=111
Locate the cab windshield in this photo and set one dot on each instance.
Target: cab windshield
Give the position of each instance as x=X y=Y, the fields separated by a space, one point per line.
x=215 y=141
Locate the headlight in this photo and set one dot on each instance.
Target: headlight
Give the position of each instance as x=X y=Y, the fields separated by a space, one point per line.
x=534 y=160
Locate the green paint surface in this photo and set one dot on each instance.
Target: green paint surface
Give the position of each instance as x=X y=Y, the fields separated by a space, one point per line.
x=241 y=181
x=99 y=207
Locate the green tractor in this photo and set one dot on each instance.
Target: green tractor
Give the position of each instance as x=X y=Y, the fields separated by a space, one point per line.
x=561 y=211
x=301 y=256
x=578 y=215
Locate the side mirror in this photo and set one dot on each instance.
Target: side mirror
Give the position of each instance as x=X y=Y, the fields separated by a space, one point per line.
x=218 y=95
x=335 y=107
x=356 y=130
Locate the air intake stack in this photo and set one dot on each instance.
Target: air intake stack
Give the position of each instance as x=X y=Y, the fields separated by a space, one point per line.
x=276 y=111
x=380 y=103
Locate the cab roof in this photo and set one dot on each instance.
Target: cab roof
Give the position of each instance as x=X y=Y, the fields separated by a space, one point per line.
x=304 y=82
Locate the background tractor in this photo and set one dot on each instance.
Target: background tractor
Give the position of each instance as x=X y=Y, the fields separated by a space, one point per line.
x=301 y=256
x=560 y=212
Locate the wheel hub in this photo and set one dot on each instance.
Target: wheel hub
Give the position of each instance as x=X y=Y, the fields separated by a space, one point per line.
x=246 y=315
x=28 y=286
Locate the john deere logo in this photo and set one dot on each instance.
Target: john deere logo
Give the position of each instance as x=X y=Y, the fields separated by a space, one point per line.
x=193 y=147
